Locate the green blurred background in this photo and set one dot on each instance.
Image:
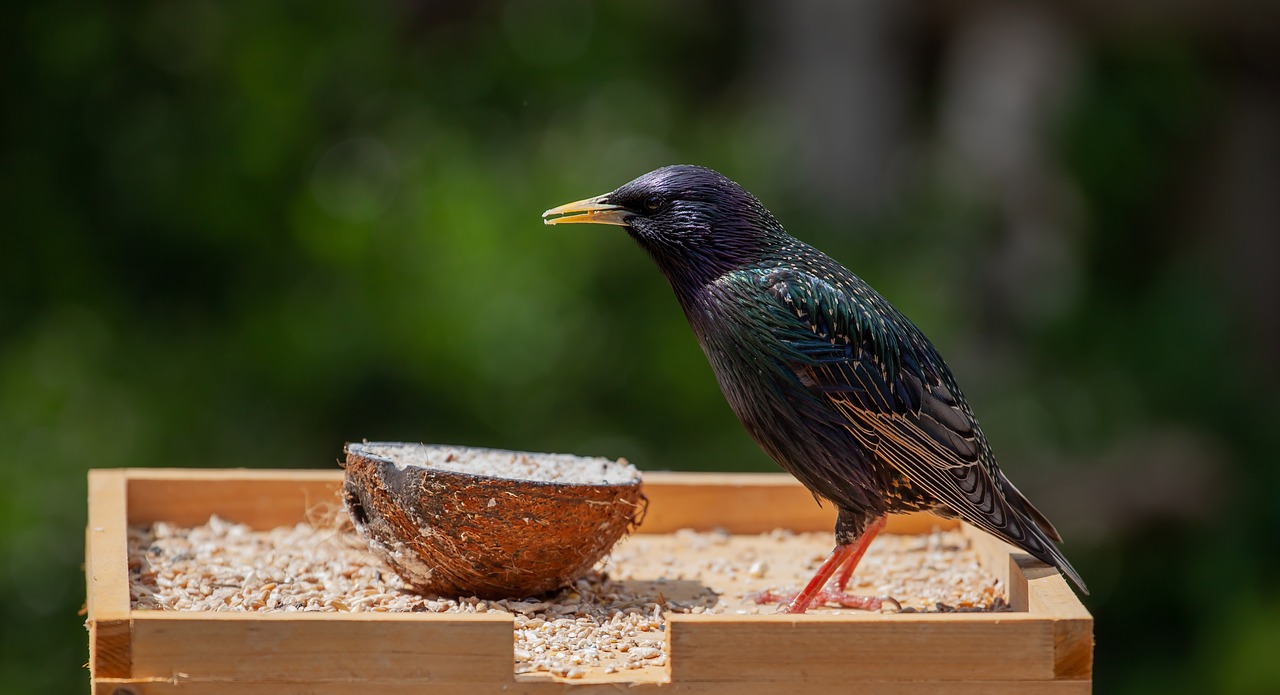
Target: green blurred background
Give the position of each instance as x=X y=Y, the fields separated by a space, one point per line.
x=242 y=233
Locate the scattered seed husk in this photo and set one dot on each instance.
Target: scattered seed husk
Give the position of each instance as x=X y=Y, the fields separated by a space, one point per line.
x=610 y=621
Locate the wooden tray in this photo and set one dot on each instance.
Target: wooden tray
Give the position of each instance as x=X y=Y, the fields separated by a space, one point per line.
x=1044 y=646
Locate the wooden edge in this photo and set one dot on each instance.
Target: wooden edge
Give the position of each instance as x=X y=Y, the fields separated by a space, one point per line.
x=1073 y=649
x=263 y=499
x=1049 y=596
x=1042 y=592
x=858 y=617
x=749 y=503
x=107 y=575
x=234 y=475
x=994 y=554
x=735 y=502
x=859 y=647
x=262 y=617
x=1048 y=592
x=626 y=679
x=320 y=647
x=178 y=686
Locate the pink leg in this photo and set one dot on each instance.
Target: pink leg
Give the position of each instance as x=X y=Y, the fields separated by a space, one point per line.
x=846 y=556
x=867 y=536
x=838 y=557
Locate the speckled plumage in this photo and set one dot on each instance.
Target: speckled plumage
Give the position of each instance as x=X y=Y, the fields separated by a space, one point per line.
x=832 y=381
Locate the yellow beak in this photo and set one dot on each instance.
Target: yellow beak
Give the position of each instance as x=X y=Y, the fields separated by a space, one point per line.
x=588 y=211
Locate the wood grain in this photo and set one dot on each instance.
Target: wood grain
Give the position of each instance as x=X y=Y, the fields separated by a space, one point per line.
x=321 y=647
x=839 y=649
x=1045 y=646
x=262 y=499
x=736 y=502
x=181 y=686
x=750 y=503
x=107 y=575
x=1049 y=596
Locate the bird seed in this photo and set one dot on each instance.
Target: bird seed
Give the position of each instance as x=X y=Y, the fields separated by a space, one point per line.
x=611 y=621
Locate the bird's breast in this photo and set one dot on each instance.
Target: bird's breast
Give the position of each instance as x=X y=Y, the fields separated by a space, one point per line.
x=799 y=432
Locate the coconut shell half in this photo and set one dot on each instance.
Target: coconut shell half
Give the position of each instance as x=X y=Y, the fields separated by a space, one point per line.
x=461 y=521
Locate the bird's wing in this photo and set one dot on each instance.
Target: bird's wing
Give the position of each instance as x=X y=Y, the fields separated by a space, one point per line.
x=853 y=350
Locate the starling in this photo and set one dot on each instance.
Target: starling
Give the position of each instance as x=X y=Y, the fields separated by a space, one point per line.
x=834 y=383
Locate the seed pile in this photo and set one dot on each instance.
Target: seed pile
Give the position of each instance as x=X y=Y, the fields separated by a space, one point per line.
x=935 y=572
x=517 y=465
x=610 y=621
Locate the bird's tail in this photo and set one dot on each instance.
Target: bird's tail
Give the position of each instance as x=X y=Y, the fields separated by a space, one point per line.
x=1020 y=503
x=1031 y=531
x=1037 y=542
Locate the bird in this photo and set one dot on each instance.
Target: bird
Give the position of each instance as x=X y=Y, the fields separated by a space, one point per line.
x=832 y=381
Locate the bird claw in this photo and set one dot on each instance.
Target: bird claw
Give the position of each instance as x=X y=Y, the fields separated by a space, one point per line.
x=767 y=596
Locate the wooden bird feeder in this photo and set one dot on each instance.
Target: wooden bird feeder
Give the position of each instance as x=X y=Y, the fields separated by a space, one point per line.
x=1043 y=645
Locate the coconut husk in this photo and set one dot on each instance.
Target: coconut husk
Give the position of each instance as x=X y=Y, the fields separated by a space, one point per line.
x=453 y=533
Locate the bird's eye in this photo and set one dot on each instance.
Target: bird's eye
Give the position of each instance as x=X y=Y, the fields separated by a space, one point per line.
x=653 y=202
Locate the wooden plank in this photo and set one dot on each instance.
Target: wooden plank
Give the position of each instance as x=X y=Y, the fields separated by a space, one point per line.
x=900 y=687
x=1041 y=589
x=845 y=648
x=1073 y=649
x=107 y=572
x=736 y=502
x=749 y=503
x=1049 y=595
x=183 y=686
x=993 y=553
x=263 y=499
x=386 y=687
x=322 y=647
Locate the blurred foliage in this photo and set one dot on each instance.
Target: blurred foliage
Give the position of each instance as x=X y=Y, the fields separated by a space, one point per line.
x=240 y=234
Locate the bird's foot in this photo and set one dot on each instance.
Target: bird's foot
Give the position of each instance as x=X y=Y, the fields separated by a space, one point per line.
x=827 y=597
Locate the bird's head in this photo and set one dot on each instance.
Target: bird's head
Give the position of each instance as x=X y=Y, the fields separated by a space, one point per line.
x=695 y=222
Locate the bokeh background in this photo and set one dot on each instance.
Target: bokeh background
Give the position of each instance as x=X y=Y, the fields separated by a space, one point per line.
x=243 y=233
